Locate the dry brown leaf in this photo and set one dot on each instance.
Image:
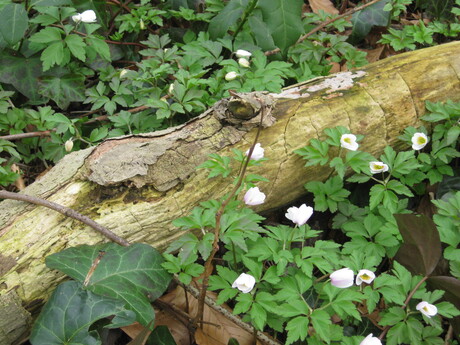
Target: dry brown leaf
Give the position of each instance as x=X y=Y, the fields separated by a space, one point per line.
x=374 y=54
x=325 y=5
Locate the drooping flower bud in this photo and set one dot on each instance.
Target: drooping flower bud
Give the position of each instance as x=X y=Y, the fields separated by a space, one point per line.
x=254 y=197
x=245 y=283
x=342 y=278
x=240 y=53
x=244 y=63
x=231 y=76
x=68 y=145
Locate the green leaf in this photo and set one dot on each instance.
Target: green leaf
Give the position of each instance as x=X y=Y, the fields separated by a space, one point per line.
x=22 y=73
x=69 y=313
x=261 y=31
x=226 y=18
x=77 y=46
x=364 y=20
x=421 y=250
x=13 y=23
x=63 y=89
x=43 y=3
x=258 y=316
x=315 y=153
x=392 y=316
x=160 y=336
x=53 y=55
x=297 y=329
x=100 y=46
x=376 y=195
x=47 y=35
x=321 y=322
x=132 y=274
x=399 y=188
x=283 y=18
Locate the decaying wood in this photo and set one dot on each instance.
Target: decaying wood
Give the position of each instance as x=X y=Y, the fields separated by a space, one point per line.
x=136 y=185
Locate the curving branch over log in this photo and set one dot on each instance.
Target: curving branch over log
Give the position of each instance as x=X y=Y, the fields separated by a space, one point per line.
x=136 y=185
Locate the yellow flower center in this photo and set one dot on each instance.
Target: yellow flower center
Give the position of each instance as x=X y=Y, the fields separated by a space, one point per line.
x=426 y=309
x=347 y=140
x=421 y=140
x=364 y=276
x=378 y=167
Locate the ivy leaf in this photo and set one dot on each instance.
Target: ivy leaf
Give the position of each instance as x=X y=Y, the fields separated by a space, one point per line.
x=13 y=23
x=421 y=250
x=364 y=20
x=132 y=274
x=63 y=89
x=69 y=313
x=284 y=21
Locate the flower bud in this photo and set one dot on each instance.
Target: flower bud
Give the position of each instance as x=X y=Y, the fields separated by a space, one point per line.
x=365 y=276
x=240 y=53
x=254 y=197
x=245 y=283
x=299 y=215
x=170 y=88
x=141 y=24
x=243 y=62
x=348 y=141
x=427 y=309
x=419 y=141
x=370 y=340
x=257 y=153
x=377 y=167
x=342 y=278
x=68 y=145
x=123 y=72
x=88 y=16
x=231 y=76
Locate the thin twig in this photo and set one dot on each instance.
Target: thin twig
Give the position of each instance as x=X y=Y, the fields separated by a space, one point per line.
x=406 y=302
x=324 y=24
x=65 y=211
x=26 y=135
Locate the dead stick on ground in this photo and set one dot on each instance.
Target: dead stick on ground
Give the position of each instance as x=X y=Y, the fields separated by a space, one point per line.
x=326 y=23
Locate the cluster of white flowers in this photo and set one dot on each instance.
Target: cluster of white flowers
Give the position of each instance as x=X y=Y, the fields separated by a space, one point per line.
x=344 y=277
x=254 y=196
x=88 y=16
x=243 y=60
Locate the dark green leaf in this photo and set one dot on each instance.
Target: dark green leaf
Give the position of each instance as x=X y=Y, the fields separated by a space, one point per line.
x=283 y=18
x=22 y=73
x=69 y=313
x=34 y=3
x=261 y=31
x=132 y=274
x=226 y=18
x=421 y=250
x=63 y=89
x=13 y=23
x=160 y=336
x=77 y=46
x=364 y=20
x=449 y=284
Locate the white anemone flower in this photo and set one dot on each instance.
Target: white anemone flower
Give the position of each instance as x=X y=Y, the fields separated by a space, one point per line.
x=342 y=278
x=371 y=340
x=348 y=141
x=257 y=153
x=245 y=283
x=378 y=167
x=240 y=53
x=254 y=197
x=88 y=16
x=244 y=62
x=231 y=76
x=427 y=309
x=419 y=141
x=299 y=215
x=365 y=276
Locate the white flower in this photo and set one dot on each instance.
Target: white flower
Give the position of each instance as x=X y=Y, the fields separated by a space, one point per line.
x=245 y=283
x=170 y=88
x=365 y=276
x=342 y=278
x=427 y=309
x=123 y=72
x=243 y=62
x=419 y=141
x=299 y=215
x=257 y=153
x=231 y=76
x=88 y=16
x=68 y=145
x=377 y=167
x=254 y=197
x=349 y=142
x=370 y=340
x=243 y=53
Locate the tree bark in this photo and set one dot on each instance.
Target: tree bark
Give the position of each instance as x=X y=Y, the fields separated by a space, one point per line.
x=136 y=185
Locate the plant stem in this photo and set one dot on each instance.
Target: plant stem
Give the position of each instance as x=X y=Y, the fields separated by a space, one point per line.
x=246 y=14
x=215 y=245
x=66 y=212
x=406 y=302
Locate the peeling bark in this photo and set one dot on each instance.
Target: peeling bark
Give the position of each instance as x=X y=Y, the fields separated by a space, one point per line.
x=136 y=185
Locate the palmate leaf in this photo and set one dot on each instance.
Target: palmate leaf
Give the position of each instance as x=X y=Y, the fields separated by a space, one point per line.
x=283 y=17
x=132 y=274
x=69 y=313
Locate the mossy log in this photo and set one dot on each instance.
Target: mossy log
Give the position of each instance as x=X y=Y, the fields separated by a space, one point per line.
x=136 y=185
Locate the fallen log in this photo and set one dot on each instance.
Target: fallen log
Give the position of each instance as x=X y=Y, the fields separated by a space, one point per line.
x=136 y=185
